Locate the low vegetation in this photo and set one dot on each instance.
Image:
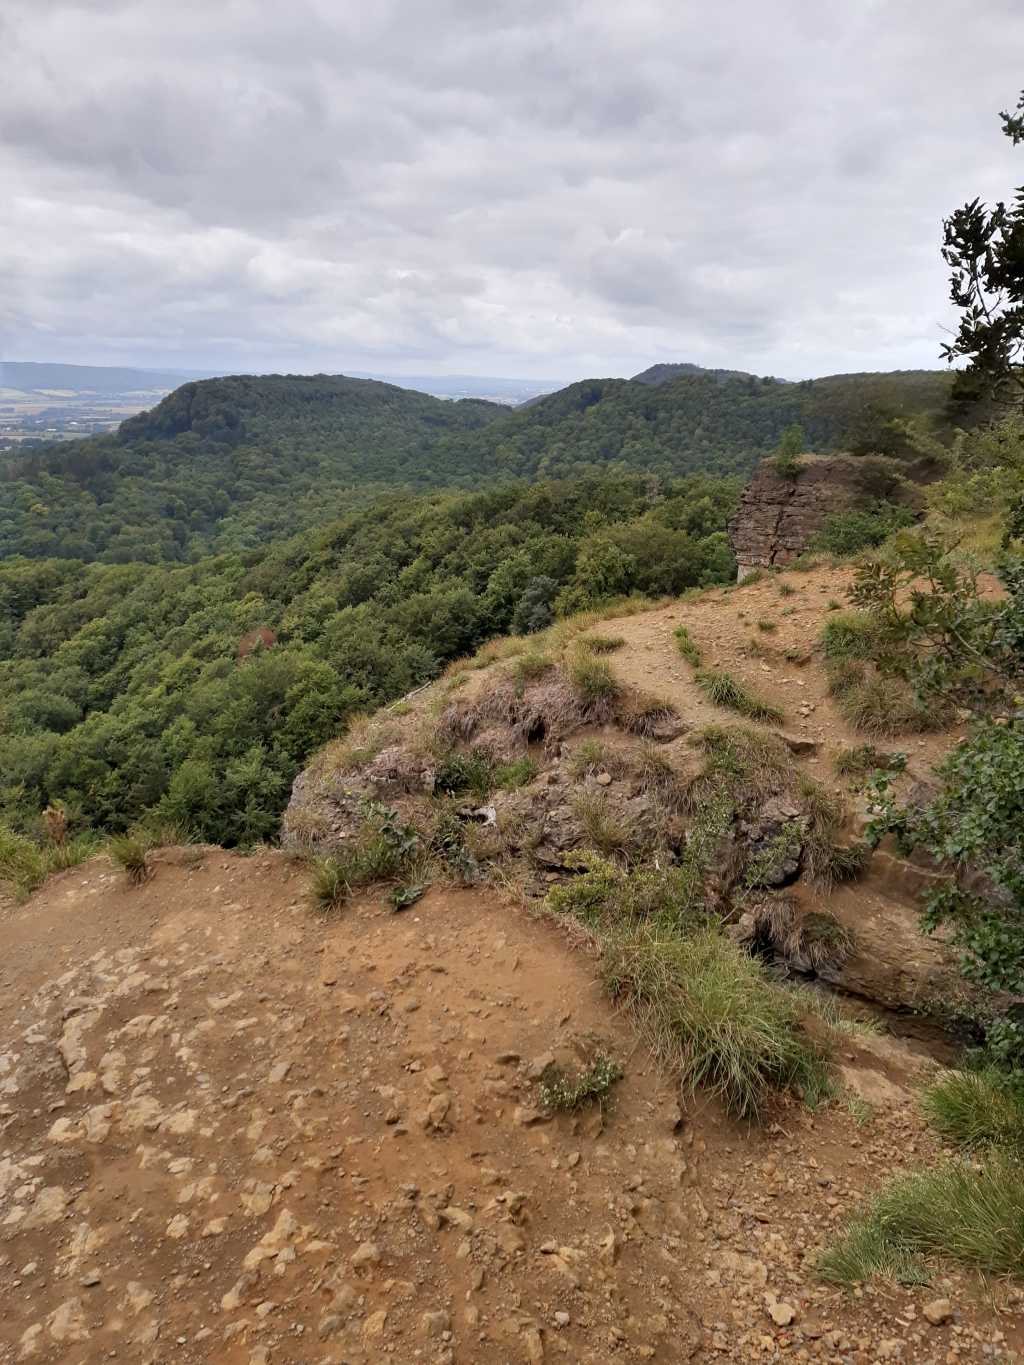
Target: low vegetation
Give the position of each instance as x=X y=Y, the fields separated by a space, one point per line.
x=563 y=1092
x=706 y=1008
x=722 y=689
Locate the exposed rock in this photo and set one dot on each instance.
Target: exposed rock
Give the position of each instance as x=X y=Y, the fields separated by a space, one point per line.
x=778 y=517
x=938 y=1311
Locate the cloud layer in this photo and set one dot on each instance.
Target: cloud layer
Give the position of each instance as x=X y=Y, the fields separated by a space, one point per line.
x=480 y=186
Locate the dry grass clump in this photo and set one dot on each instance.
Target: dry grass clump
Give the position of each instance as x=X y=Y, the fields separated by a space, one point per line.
x=639 y=713
x=364 y=738
x=608 y=828
x=593 y=682
x=592 y=756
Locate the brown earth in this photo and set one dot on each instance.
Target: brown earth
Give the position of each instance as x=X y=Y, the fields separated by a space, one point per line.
x=233 y=1132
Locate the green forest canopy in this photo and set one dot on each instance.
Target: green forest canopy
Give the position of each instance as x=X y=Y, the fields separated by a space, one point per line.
x=128 y=689
x=226 y=465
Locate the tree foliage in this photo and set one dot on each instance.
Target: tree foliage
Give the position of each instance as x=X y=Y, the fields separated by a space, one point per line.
x=984 y=248
x=196 y=692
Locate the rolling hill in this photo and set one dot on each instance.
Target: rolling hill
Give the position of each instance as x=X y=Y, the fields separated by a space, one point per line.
x=228 y=464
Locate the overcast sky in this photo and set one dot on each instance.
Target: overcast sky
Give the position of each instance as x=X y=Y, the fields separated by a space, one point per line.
x=513 y=187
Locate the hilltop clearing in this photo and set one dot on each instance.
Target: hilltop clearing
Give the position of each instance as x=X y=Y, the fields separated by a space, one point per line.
x=232 y=1132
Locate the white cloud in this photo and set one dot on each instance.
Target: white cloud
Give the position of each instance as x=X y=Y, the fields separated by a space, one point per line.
x=537 y=187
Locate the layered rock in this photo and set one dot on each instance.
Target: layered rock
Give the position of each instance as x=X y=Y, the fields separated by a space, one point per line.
x=778 y=517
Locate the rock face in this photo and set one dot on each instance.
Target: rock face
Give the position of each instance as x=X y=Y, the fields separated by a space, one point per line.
x=778 y=517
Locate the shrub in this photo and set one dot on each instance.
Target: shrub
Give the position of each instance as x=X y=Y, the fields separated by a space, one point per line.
x=605 y=894
x=464 y=772
x=688 y=646
x=976 y=1109
x=25 y=864
x=722 y=689
x=788 y=467
x=383 y=849
x=975 y=822
x=708 y=1009
x=972 y=1214
x=829 y=863
x=566 y=1094
x=862 y=528
x=787 y=590
x=767 y=626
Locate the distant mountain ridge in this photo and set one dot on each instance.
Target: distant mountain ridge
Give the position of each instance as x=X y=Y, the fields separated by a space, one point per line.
x=664 y=373
x=230 y=463
x=31 y=375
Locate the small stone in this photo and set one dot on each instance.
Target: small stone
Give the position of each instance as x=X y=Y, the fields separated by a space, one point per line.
x=938 y=1311
x=366 y=1254
x=604 y=779
x=373 y=1327
x=562 y=1319
x=782 y=1314
x=90 y=1279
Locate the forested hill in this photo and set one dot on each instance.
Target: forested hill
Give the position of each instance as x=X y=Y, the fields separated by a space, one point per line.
x=224 y=464
x=228 y=464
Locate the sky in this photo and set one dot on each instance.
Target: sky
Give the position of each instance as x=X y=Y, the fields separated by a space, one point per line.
x=540 y=188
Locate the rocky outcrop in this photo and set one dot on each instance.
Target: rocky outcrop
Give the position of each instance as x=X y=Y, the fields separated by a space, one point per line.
x=778 y=517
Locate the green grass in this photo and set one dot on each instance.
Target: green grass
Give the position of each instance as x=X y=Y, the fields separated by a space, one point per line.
x=688 y=647
x=25 y=864
x=976 y=1109
x=707 y=1009
x=530 y=667
x=787 y=590
x=722 y=689
x=601 y=644
x=851 y=635
x=131 y=853
x=864 y=759
x=519 y=773
x=563 y=1093
x=384 y=850
x=766 y=625
x=971 y=1214
x=592 y=679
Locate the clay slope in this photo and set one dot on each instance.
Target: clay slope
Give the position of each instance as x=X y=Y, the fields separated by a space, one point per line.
x=233 y=1132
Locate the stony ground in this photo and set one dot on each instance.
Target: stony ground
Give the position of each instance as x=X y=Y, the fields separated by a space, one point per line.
x=233 y=1132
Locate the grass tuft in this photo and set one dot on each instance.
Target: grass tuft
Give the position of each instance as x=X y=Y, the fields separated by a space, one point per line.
x=592 y=680
x=688 y=647
x=972 y=1214
x=131 y=852
x=722 y=689
x=708 y=1009
x=601 y=644
x=976 y=1109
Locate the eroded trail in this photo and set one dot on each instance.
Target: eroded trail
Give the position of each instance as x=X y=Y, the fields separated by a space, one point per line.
x=231 y=1132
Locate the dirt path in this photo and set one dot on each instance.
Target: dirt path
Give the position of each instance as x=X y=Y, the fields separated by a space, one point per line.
x=724 y=623
x=231 y=1132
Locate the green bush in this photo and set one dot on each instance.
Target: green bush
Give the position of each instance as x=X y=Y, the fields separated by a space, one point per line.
x=461 y=772
x=862 y=528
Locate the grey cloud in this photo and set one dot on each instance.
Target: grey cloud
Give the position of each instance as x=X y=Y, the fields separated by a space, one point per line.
x=543 y=186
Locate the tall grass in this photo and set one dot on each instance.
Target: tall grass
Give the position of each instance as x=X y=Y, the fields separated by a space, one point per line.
x=976 y=1109
x=707 y=1008
x=592 y=679
x=966 y=1213
x=25 y=863
x=722 y=689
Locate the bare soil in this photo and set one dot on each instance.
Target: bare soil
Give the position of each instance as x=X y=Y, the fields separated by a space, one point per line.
x=234 y=1132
